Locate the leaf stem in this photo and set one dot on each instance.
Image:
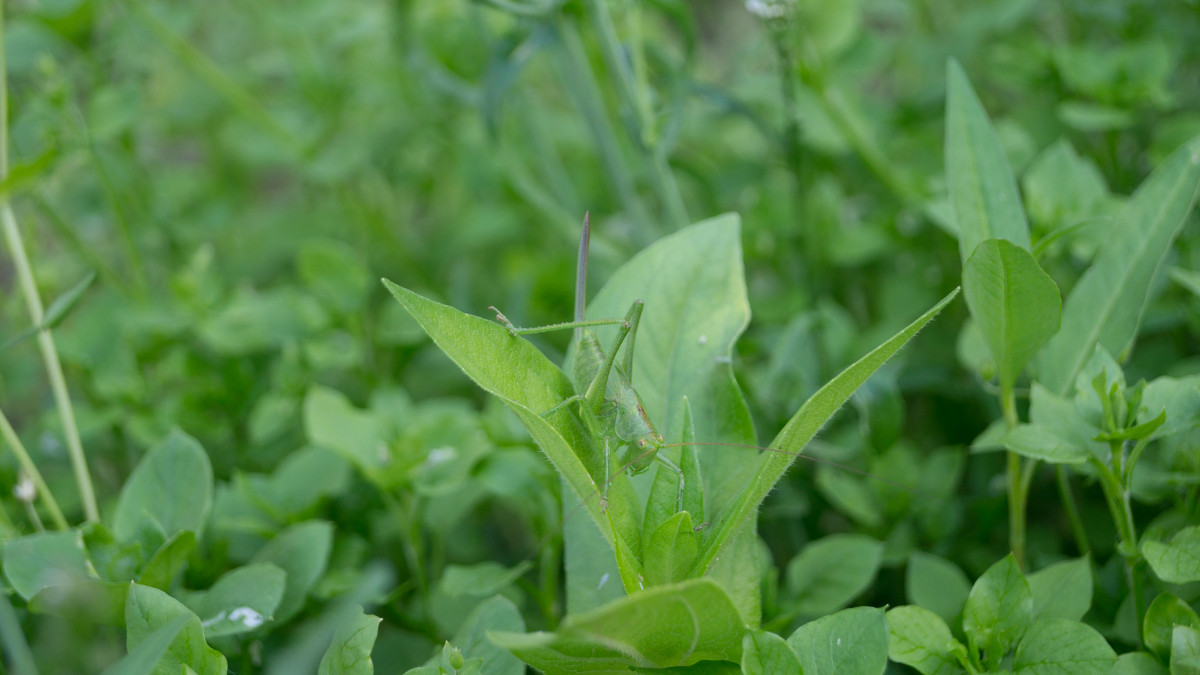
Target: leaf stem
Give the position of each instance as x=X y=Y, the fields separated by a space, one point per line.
x=1068 y=500
x=33 y=302
x=1019 y=475
x=1116 y=495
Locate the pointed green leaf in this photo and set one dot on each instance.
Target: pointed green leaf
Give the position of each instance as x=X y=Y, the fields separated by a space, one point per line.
x=704 y=625
x=670 y=550
x=999 y=609
x=1107 y=303
x=1014 y=302
x=982 y=189
x=801 y=428
x=302 y=551
x=919 y=638
x=349 y=652
x=170 y=491
x=148 y=609
x=1062 y=590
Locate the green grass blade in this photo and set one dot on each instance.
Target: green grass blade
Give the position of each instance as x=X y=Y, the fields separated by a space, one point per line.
x=982 y=189
x=801 y=428
x=1107 y=303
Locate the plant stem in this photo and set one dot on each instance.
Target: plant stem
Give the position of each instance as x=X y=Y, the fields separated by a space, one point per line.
x=20 y=657
x=1018 y=480
x=1068 y=500
x=33 y=302
x=1116 y=495
x=10 y=437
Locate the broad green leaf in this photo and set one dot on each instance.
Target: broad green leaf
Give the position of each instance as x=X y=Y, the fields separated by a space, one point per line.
x=302 y=551
x=919 y=638
x=851 y=642
x=998 y=609
x=670 y=550
x=982 y=189
x=801 y=428
x=1185 y=651
x=148 y=609
x=830 y=572
x=143 y=659
x=350 y=651
x=514 y=370
x=936 y=584
x=1179 y=397
x=494 y=614
x=1139 y=663
x=1106 y=305
x=43 y=560
x=170 y=491
x=1062 y=590
x=1039 y=441
x=332 y=422
x=705 y=625
x=1014 y=302
x=1063 y=647
x=1062 y=188
x=1164 y=614
x=240 y=601
x=765 y=653
x=1176 y=561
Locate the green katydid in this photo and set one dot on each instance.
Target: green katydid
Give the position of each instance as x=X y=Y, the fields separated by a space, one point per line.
x=609 y=405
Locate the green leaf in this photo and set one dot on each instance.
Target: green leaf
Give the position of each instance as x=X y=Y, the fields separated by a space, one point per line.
x=1177 y=561
x=143 y=659
x=764 y=653
x=1185 y=651
x=516 y=372
x=670 y=550
x=1063 y=647
x=332 y=422
x=852 y=642
x=335 y=273
x=43 y=560
x=982 y=189
x=1107 y=303
x=240 y=601
x=170 y=491
x=936 y=584
x=998 y=609
x=350 y=651
x=167 y=561
x=1014 y=302
x=832 y=571
x=302 y=551
x=148 y=609
x=1164 y=614
x=919 y=638
x=1139 y=663
x=704 y=623
x=1062 y=188
x=1178 y=397
x=801 y=428
x=1062 y=590
x=494 y=614
x=1044 y=442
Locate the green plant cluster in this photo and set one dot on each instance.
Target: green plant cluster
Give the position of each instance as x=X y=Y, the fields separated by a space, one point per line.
x=959 y=434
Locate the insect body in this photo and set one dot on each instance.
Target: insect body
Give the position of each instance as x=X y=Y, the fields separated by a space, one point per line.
x=610 y=407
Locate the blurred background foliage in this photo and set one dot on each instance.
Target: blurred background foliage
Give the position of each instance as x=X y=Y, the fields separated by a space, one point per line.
x=240 y=175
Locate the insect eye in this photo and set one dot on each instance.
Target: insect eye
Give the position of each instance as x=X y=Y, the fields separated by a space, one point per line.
x=641 y=442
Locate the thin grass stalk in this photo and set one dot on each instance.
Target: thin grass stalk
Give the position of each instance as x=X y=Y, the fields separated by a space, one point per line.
x=10 y=437
x=58 y=383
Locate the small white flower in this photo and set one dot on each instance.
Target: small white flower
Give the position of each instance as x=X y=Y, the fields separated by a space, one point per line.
x=249 y=617
x=24 y=489
x=769 y=9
